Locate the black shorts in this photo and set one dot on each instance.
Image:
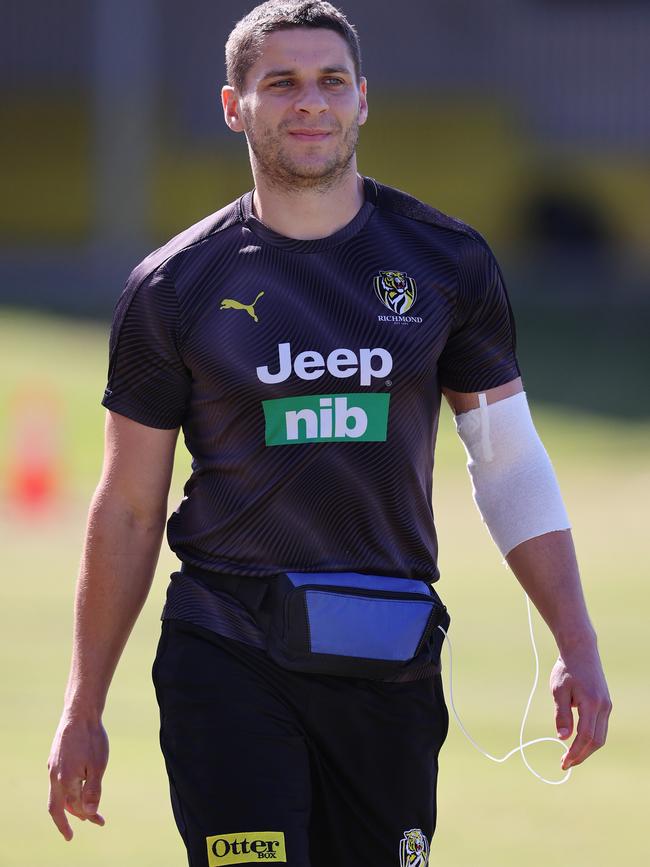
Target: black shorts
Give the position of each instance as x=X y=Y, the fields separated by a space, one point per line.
x=267 y=765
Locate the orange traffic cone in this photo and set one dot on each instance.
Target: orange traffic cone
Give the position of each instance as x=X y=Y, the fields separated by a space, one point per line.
x=34 y=454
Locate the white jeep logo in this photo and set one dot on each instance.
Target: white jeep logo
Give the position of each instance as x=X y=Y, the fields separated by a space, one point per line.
x=369 y=364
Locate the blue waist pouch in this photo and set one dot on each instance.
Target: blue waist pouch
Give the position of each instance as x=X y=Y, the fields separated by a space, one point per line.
x=352 y=624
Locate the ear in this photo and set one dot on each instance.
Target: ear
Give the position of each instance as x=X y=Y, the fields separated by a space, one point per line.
x=363 y=101
x=230 y=103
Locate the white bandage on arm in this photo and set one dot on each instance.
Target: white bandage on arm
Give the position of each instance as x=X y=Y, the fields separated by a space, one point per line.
x=513 y=481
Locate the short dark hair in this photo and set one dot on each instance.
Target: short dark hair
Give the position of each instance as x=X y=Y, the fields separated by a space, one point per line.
x=244 y=45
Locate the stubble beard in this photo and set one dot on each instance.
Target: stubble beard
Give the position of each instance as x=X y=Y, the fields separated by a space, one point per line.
x=283 y=172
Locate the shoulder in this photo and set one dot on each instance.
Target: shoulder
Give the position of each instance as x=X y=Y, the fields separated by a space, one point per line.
x=151 y=283
x=402 y=204
x=192 y=239
x=479 y=279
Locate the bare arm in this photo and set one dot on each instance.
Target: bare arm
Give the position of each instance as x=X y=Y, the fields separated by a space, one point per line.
x=123 y=538
x=547 y=569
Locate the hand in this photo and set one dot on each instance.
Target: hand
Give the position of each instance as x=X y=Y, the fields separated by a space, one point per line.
x=577 y=680
x=77 y=762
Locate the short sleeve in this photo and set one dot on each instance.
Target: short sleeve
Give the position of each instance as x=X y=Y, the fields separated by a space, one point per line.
x=480 y=352
x=147 y=379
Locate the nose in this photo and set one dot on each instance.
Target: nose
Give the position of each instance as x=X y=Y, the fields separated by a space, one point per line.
x=311 y=100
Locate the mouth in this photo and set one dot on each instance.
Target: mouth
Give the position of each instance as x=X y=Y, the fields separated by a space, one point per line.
x=310 y=135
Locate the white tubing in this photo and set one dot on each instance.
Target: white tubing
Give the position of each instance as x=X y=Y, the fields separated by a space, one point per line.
x=522 y=746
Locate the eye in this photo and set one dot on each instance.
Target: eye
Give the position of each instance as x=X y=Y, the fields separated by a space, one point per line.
x=334 y=82
x=282 y=83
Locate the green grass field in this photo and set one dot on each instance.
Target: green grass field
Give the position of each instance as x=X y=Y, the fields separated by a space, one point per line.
x=488 y=814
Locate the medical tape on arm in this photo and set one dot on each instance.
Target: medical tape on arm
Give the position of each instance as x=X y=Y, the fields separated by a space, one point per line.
x=514 y=484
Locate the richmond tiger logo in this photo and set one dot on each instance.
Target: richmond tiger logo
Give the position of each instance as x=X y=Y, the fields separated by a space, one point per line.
x=413 y=849
x=396 y=290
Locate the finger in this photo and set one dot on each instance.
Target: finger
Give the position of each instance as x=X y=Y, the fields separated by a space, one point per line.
x=600 y=733
x=602 y=725
x=563 y=712
x=583 y=745
x=56 y=810
x=72 y=807
x=72 y=790
x=96 y=819
x=92 y=792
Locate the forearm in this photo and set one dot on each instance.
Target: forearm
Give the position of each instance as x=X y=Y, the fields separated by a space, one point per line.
x=518 y=496
x=119 y=559
x=519 y=499
x=547 y=569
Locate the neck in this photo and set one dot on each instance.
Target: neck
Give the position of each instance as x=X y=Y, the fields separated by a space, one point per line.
x=306 y=214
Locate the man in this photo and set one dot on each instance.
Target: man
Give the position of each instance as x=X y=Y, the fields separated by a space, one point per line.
x=302 y=337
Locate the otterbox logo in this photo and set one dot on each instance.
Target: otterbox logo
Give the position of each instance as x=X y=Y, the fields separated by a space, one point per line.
x=326 y=418
x=254 y=846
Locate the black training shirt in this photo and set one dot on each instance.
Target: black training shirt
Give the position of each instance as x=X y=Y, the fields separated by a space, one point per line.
x=306 y=376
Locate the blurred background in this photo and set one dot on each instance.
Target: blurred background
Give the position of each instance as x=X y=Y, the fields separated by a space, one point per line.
x=527 y=119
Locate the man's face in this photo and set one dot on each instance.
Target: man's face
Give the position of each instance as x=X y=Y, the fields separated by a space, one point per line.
x=301 y=108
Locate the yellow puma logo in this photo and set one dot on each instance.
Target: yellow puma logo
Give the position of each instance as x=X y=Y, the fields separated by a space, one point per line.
x=229 y=304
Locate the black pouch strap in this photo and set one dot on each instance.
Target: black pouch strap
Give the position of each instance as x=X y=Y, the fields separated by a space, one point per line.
x=250 y=591
x=257 y=596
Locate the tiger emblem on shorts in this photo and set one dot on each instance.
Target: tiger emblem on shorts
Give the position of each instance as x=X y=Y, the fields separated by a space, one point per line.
x=413 y=849
x=396 y=290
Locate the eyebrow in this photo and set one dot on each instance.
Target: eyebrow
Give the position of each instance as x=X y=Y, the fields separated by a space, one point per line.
x=286 y=73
